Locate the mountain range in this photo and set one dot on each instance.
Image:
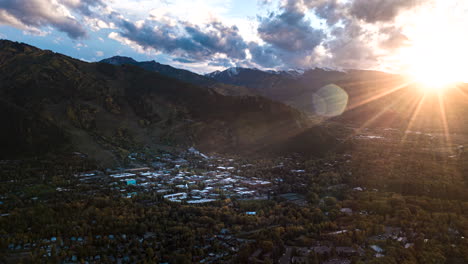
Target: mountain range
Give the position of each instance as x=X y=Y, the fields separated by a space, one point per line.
x=296 y=88
x=183 y=75
x=54 y=103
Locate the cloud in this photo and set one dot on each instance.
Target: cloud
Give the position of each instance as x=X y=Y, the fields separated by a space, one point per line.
x=297 y=34
x=132 y=44
x=265 y=56
x=218 y=38
x=288 y=36
x=32 y=15
x=351 y=47
x=360 y=31
x=79 y=46
x=290 y=31
x=184 y=39
x=183 y=60
x=222 y=62
x=285 y=39
x=99 y=53
x=393 y=38
x=372 y=11
x=97 y=24
x=330 y=10
x=84 y=6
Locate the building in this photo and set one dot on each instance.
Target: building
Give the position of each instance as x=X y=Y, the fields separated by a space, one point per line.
x=130 y=181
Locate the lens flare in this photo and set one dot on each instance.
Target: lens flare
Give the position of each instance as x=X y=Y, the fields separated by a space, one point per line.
x=330 y=100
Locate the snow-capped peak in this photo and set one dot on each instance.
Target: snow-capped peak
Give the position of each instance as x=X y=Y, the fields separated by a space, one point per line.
x=213 y=74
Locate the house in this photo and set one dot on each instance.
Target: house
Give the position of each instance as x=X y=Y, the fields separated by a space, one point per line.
x=138 y=170
x=339 y=232
x=297 y=171
x=176 y=197
x=132 y=194
x=200 y=201
x=130 y=181
x=122 y=175
x=376 y=248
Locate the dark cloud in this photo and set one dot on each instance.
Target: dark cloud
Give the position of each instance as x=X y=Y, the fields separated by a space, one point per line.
x=219 y=39
x=187 y=40
x=330 y=10
x=289 y=38
x=158 y=37
x=32 y=15
x=264 y=55
x=350 y=48
x=290 y=31
x=372 y=11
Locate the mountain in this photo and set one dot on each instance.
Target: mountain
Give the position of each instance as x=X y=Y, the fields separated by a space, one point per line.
x=239 y=73
x=54 y=103
x=372 y=98
x=290 y=87
x=299 y=88
x=183 y=75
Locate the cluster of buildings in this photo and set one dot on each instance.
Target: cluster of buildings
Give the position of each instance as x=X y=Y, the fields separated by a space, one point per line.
x=194 y=181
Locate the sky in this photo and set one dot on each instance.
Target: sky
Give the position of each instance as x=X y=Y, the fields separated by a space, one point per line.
x=421 y=37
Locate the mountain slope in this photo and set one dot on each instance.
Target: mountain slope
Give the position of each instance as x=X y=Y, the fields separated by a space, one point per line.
x=107 y=111
x=293 y=88
x=373 y=98
x=183 y=75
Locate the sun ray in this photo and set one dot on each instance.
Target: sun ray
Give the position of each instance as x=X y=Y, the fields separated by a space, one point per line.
x=381 y=80
x=445 y=125
x=462 y=92
x=413 y=117
x=379 y=114
x=378 y=96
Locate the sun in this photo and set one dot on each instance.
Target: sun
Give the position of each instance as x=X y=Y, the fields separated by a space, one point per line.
x=435 y=55
x=436 y=64
x=431 y=77
x=436 y=67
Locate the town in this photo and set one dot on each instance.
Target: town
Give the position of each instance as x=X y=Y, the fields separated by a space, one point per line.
x=235 y=210
x=200 y=180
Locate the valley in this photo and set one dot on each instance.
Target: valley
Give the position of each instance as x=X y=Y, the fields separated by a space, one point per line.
x=363 y=206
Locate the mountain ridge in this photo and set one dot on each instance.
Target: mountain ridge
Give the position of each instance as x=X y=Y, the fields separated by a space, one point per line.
x=108 y=111
x=183 y=75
